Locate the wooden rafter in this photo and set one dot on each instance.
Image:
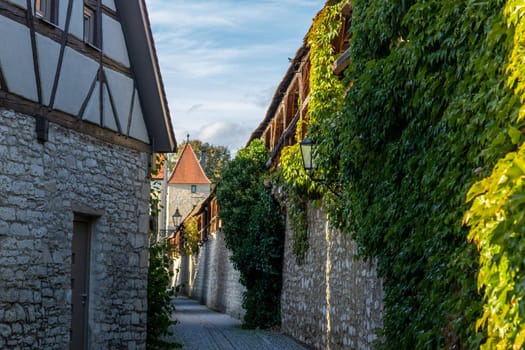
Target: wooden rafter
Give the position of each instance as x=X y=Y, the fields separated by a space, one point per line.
x=36 y=68
x=112 y=104
x=63 y=43
x=131 y=106
x=102 y=75
x=88 y=97
x=25 y=106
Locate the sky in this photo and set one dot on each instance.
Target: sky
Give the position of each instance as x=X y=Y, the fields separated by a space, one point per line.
x=221 y=61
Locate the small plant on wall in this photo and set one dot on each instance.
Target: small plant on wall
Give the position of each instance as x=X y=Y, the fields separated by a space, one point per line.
x=191 y=236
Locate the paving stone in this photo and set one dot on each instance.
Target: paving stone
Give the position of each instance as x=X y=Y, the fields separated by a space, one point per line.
x=201 y=328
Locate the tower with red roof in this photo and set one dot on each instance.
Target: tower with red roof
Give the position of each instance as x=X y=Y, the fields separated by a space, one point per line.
x=188 y=184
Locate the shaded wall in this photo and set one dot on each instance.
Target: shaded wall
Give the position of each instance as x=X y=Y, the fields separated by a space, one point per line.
x=210 y=278
x=332 y=301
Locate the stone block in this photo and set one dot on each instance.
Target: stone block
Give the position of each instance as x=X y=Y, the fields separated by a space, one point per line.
x=5 y=330
x=17 y=328
x=18 y=229
x=91 y=163
x=26 y=244
x=10 y=315
x=7 y=213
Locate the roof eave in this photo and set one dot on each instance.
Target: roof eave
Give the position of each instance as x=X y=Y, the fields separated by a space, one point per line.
x=144 y=64
x=280 y=92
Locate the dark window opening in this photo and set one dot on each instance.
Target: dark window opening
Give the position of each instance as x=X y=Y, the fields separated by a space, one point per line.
x=91 y=32
x=193 y=188
x=47 y=10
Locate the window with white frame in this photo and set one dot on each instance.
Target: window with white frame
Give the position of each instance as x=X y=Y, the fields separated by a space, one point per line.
x=47 y=10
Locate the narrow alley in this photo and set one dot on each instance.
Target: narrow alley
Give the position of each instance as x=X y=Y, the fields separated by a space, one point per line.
x=201 y=328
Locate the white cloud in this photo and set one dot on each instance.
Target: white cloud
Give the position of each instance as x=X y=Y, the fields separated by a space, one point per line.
x=221 y=60
x=220 y=133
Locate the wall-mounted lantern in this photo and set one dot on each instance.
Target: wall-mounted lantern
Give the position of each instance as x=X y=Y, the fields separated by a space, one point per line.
x=309 y=164
x=176 y=217
x=307 y=148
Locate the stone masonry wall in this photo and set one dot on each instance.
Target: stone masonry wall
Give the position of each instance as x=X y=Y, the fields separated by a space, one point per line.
x=180 y=196
x=332 y=301
x=210 y=277
x=41 y=187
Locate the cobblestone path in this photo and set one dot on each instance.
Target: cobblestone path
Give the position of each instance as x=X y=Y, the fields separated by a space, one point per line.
x=203 y=329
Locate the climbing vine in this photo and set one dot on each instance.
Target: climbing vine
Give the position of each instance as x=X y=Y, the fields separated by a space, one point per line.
x=191 y=236
x=160 y=308
x=497 y=216
x=326 y=96
x=254 y=232
x=429 y=103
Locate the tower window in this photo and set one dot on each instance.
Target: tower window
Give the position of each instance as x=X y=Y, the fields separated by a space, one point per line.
x=193 y=188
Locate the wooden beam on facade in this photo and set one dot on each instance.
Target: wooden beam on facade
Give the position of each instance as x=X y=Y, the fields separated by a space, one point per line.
x=21 y=105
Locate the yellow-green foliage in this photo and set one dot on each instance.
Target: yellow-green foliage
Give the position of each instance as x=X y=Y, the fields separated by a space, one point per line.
x=326 y=89
x=497 y=220
x=432 y=105
x=497 y=217
x=326 y=96
x=191 y=236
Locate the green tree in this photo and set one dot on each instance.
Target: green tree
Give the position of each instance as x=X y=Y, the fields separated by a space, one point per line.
x=254 y=232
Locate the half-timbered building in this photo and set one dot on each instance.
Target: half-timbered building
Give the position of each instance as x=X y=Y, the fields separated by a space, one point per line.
x=82 y=109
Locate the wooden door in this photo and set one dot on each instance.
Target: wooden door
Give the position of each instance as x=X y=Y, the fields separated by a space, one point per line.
x=80 y=252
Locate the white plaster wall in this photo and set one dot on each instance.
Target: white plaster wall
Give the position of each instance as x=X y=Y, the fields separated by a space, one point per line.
x=76 y=77
x=110 y=4
x=76 y=26
x=138 y=128
x=109 y=118
x=62 y=13
x=16 y=59
x=92 y=112
x=121 y=89
x=77 y=72
x=48 y=52
x=114 y=45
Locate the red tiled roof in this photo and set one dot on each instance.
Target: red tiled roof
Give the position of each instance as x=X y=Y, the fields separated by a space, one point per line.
x=188 y=169
x=160 y=173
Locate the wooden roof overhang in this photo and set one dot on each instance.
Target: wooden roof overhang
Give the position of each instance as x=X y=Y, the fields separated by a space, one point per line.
x=278 y=127
x=289 y=102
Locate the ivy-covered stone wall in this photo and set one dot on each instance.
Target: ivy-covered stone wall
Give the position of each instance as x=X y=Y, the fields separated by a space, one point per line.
x=433 y=98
